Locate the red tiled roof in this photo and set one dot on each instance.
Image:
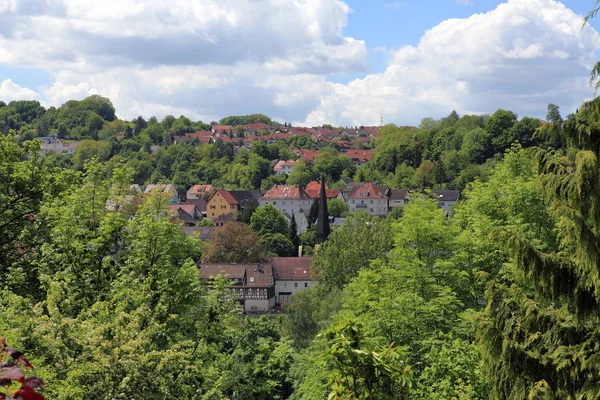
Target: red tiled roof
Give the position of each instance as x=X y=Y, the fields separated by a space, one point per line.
x=310 y=155
x=369 y=190
x=222 y=128
x=198 y=189
x=285 y=192
x=280 y=164
x=228 y=197
x=199 y=134
x=291 y=268
x=259 y=125
x=313 y=189
x=360 y=155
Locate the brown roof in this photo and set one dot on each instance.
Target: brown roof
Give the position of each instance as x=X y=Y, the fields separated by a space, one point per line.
x=232 y=271
x=262 y=274
x=291 y=268
x=257 y=275
x=367 y=191
x=285 y=192
x=202 y=232
x=188 y=208
x=200 y=203
x=398 y=194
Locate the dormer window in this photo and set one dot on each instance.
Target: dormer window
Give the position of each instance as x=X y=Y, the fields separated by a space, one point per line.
x=251 y=279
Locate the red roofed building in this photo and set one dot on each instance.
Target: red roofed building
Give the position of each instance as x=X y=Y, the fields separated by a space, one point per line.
x=359 y=157
x=199 y=191
x=313 y=189
x=220 y=203
x=367 y=197
x=188 y=214
x=289 y=199
x=309 y=155
x=252 y=285
x=220 y=130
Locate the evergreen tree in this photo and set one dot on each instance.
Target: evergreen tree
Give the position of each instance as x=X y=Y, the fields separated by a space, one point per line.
x=540 y=335
x=294 y=238
x=439 y=172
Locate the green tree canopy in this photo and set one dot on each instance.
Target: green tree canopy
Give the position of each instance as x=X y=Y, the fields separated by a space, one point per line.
x=269 y=220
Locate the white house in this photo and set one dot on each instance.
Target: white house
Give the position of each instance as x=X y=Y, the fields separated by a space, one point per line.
x=289 y=199
x=368 y=198
x=284 y=167
x=292 y=275
x=446 y=199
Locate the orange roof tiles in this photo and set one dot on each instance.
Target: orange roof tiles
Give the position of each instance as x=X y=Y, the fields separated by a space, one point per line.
x=367 y=191
x=313 y=189
x=285 y=192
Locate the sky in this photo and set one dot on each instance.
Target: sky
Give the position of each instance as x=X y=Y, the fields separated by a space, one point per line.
x=307 y=62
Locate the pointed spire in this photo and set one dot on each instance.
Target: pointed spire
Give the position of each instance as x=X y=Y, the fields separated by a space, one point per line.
x=323 y=229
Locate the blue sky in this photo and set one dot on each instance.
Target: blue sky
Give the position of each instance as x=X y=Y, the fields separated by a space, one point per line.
x=304 y=61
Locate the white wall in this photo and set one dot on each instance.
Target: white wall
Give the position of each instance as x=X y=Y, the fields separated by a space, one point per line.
x=371 y=206
x=291 y=287
x=289 y=206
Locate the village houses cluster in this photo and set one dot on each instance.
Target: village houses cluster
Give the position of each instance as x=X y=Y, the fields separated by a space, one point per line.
x=262 y=286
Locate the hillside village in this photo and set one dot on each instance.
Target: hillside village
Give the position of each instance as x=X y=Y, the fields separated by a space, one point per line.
x=247 y=243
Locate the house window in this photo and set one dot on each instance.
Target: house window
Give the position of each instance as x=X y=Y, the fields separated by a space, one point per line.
x=296 y=284
x=274 y=202
x=371 y=209
x=305 y=284
x=251 y=280
x=284 y=210
x=371 y=201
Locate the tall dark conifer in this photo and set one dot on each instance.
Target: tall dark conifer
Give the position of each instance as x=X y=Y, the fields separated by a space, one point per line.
x=294 y=238
x=541 y=332
x=323 y=228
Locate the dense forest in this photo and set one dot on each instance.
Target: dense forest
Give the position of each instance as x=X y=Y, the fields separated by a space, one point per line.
x=498 y=301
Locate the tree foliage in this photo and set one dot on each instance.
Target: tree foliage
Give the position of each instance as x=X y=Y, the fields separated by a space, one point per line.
x=233 y=243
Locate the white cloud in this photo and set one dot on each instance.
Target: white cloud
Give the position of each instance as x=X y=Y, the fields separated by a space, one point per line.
x=205 y=58
x=11 y=91
x=211 y=58
x=521 y=56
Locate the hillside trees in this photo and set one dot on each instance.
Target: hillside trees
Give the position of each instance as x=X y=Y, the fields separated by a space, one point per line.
x=546 y=313
x=119 y=298
x=360 y=239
